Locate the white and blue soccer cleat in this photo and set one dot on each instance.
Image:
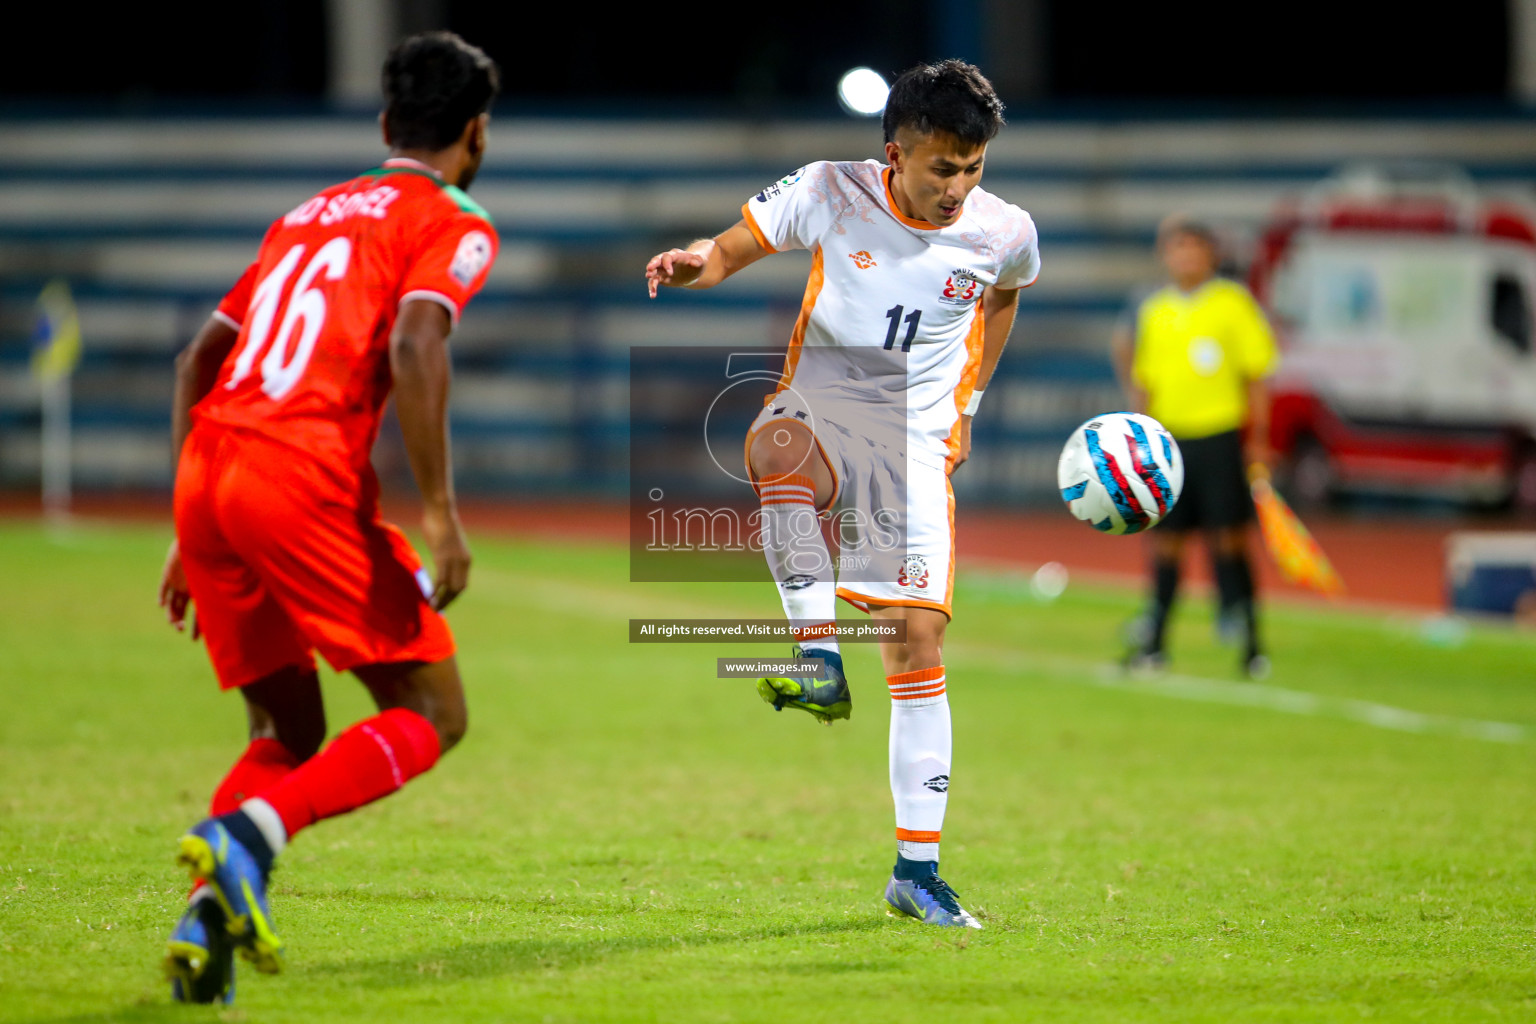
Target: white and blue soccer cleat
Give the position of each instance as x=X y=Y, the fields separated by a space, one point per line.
x=826 y=699
x=929 y=899
x=238 y=883
x=200 y=956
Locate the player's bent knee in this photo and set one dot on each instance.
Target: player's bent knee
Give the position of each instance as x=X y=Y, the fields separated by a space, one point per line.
x=432 y=690
x=781 y=448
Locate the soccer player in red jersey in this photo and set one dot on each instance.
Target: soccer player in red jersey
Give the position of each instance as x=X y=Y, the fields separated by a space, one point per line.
x=279 y=541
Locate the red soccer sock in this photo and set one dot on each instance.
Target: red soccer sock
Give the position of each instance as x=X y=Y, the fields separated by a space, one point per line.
x=370 y=760
x=264 y=763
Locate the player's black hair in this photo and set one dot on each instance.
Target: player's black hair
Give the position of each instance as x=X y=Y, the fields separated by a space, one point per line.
x=951 y=97
x=434 y=84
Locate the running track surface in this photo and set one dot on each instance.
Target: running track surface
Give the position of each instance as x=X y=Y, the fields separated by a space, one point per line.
x=1383 y=562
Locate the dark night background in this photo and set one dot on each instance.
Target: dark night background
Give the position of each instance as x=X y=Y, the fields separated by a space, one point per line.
x=1061 y=51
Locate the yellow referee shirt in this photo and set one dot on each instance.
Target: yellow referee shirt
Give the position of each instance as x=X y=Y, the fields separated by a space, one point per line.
x=1196 y=353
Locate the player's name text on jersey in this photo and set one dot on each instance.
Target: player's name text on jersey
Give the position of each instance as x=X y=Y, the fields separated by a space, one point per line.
x=374 y=202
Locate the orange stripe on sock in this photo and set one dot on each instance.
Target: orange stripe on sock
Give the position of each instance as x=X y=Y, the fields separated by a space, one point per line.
x=914 y=696
x=786 y=480
x=921 y=675
x=908 y=835
x=925 y=684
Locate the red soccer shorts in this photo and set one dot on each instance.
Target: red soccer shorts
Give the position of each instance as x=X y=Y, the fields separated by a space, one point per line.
x=285 y=556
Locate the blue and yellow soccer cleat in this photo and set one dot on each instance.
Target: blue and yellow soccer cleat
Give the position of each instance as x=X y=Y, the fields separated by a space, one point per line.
x=239 y=887
x=826 y=699
x=200 y=957
x=929 y=899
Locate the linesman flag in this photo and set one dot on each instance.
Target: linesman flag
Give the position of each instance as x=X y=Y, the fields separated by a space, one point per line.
x=1290 y=545
x=56 y=338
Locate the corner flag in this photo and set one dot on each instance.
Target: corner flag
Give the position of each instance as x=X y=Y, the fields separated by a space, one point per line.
x=1290 y=545
x=56 y=336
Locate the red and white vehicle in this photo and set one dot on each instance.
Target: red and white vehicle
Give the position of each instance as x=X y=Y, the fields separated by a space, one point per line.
x=1403 y=301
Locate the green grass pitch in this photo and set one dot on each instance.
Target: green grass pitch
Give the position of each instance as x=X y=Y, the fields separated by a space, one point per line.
x=624 y=837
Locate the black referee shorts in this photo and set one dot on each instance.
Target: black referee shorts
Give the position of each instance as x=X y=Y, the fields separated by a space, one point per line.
x=1215 y=485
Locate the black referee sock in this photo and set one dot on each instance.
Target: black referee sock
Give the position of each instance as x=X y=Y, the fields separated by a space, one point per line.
x=1165 y=587
x=1234 y=589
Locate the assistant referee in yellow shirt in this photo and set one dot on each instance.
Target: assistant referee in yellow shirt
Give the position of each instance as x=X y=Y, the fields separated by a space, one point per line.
x=1194 y=356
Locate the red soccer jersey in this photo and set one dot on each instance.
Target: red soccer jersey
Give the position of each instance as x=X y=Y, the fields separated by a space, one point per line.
x=316 y=308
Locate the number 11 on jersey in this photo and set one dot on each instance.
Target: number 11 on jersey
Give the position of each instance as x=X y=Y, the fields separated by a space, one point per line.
x=894 y=315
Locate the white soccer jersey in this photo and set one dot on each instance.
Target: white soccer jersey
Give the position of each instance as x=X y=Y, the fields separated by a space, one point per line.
x=882 y=281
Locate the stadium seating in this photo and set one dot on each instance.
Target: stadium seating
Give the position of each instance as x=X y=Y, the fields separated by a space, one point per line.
x=151 y=219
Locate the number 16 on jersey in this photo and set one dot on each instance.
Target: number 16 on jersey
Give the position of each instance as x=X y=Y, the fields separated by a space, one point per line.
x=280 y=370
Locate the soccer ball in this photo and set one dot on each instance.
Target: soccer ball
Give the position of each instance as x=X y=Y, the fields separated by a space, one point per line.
x=1120 y=472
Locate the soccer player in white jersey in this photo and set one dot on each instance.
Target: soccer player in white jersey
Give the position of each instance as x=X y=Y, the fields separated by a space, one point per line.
x=915 y=264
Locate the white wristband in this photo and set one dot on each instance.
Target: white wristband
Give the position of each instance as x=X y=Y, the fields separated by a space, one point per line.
x=974 y=403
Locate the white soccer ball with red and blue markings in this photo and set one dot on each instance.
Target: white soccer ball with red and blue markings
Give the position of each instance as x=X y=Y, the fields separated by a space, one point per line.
x=1120 y=472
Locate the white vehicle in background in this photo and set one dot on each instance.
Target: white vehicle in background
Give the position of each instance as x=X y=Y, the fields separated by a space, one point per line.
x=1403 y=301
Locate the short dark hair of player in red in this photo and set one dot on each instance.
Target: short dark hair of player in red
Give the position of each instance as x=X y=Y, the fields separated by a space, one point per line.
x=951 y=97
x=434 y=83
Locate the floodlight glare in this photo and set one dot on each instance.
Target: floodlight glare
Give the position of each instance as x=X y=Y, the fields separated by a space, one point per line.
x=862 y=92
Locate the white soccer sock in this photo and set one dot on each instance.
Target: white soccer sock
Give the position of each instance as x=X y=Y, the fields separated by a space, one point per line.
x=798 y=558
x=268 y=822
x=920 y=753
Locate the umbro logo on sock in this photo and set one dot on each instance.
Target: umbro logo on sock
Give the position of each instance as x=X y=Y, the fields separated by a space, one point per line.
x=939 y=784
x=799 y=582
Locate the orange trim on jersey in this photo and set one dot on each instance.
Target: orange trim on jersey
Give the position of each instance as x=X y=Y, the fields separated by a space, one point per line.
x=757 y=232
x=917 y=675
x=975 y=348
x=890 y=198
x=863 y=602
x=911 y=835
x=813 y=285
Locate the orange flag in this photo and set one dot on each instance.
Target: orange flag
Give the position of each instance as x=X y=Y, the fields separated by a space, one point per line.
x=1289 y=544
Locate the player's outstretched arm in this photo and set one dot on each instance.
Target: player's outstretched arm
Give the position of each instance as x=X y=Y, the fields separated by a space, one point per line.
x=706 y=262
x=418 y=358
x=197 y=367
x=998 y=306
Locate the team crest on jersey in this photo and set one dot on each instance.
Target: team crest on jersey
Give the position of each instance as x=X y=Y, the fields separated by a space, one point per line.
x=914 y=573
x=960 y=288
x=862 y=259
x=473 y=254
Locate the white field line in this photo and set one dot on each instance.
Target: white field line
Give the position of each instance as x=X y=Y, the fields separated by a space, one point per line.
x=1253 y=695
x=610 y=603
